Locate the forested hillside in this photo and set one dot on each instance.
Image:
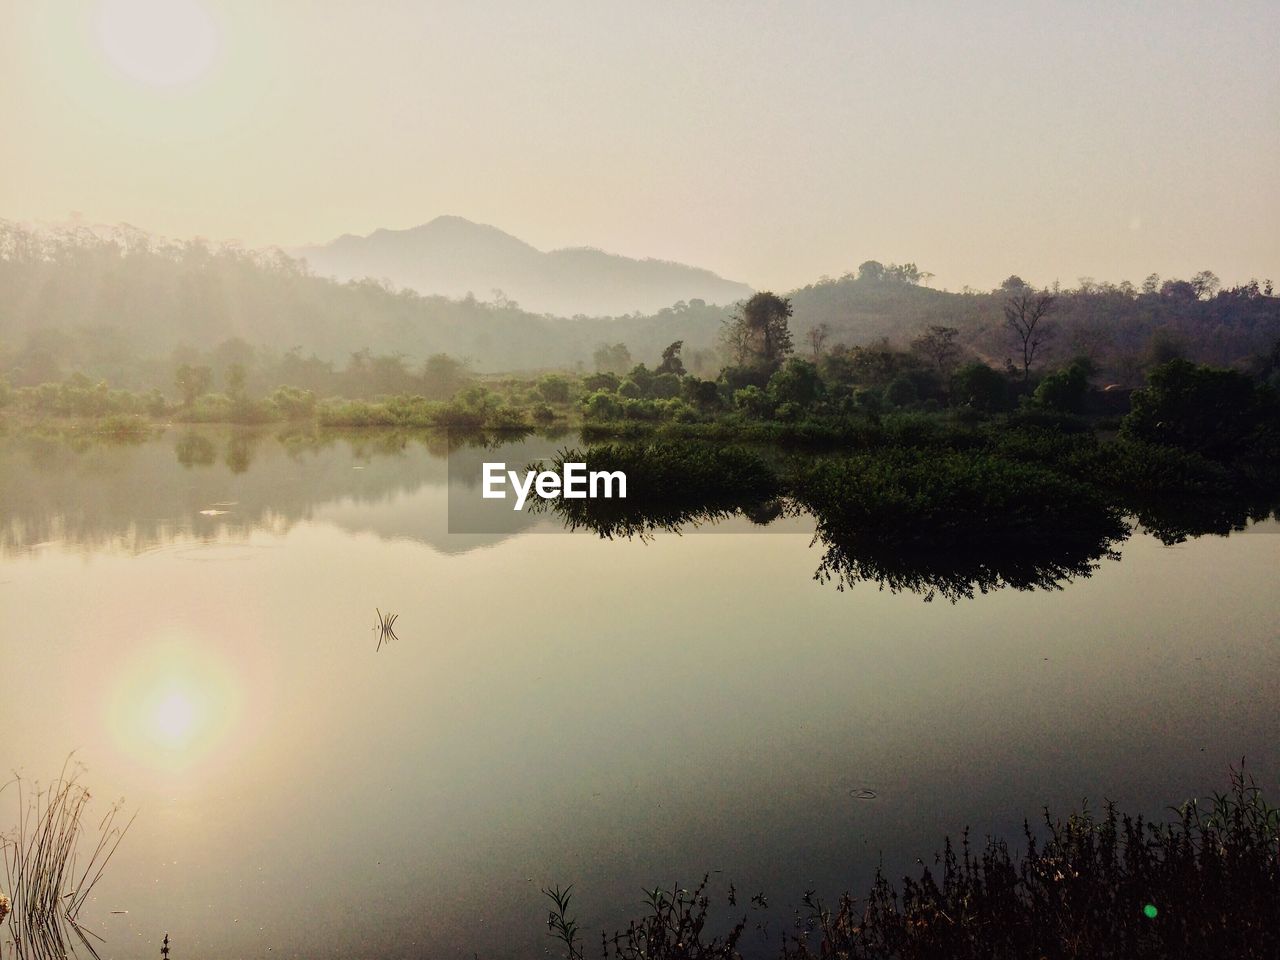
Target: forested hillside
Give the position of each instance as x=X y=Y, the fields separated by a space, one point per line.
x=129 y=309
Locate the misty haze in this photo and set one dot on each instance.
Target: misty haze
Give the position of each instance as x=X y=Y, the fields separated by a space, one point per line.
x=936 y=349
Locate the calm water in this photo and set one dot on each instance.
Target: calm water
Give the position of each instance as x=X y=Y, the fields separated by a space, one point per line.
x=193 y=616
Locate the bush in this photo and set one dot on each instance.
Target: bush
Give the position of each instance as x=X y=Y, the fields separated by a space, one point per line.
x=554 y=388
x=977 y=385
x=796 y=382
x=601 y=381
x=1218 y=413
x=753 y=401
x=664 y=386
x=602 y=406
x=704 y=394
x=294 y=404
x=1065 y=390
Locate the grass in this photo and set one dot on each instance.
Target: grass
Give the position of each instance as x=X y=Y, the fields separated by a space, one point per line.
x=52 y=864
x=1204 y=883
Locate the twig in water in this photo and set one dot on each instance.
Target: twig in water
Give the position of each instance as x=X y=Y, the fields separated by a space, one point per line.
x=384 y=627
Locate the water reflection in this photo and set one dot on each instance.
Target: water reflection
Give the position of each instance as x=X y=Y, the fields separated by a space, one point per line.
x=566 y=708
x=207 y=483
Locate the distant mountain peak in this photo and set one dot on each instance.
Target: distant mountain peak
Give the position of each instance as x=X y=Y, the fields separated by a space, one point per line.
x=453 y=256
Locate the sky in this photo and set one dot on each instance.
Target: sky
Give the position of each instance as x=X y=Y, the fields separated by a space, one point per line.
x=771 y=142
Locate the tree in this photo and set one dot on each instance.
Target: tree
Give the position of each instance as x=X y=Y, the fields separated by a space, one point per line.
x=443 y=376
x=1206 y=284
x=236 y=381
x=938 y=345
x=192 y=382
x=1013 y=284
x=758 y=334
x=1025 y=314
x=871 y=271
x=817 y=337
x=671 y=362
x=612 y=358
x=797 y=382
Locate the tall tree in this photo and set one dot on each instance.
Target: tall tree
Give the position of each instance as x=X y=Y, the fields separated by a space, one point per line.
x=1025 y=315
x=818 y=336
x=758 y=332
x=671 y=362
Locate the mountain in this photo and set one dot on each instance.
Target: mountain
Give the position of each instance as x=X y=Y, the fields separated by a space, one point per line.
x=452 y=256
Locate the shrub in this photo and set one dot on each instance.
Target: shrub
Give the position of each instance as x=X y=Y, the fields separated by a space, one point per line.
x=1218 y=413
x=601 y=406
x=753 y=401
x=554 y=388
x=977 y=385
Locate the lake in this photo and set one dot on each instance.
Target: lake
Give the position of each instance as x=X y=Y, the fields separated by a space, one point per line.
x=193 y=617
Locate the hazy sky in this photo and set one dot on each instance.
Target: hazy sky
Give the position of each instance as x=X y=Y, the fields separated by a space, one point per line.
x=771 y=142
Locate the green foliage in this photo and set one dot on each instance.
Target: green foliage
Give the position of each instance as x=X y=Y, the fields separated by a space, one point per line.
x=954 y=521
x=664 y=386
x=554 y=388
x=671 y=362
x=978 y=386
x=703 y=394
x=294 y=404
x=601 y=381
x=1065 y=390
x=1217 y=413
x=757 y=334
x=753 y=401
x=796 y=382
x=602 y=405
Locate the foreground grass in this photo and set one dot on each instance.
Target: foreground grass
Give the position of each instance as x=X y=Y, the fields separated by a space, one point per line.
x=47 y=874
x=1204 y=883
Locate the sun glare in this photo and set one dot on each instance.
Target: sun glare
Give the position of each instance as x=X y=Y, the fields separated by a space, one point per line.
x=174 y=718
x=160 y=43
x=174 y=704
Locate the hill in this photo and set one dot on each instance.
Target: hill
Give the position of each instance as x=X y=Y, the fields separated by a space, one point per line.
x=453 y=257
